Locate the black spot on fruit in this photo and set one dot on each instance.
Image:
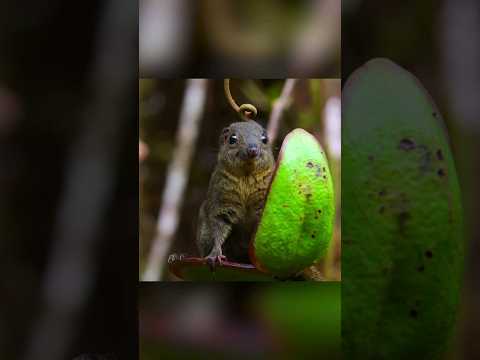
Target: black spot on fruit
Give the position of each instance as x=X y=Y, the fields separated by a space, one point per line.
x=309 y=164
x=313 y=236
x=439 y=154
x=413 y=313
x=407 y=144
x=441 y=172
x=429 y=254
x=324 y=177
x=319 y=211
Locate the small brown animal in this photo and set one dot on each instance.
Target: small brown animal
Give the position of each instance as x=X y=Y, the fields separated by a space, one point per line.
x=236 y=193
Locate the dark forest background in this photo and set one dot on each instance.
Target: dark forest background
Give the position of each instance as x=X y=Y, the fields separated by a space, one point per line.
x=68 y=179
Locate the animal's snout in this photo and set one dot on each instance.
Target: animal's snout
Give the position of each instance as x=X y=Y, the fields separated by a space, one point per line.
x=252 y=151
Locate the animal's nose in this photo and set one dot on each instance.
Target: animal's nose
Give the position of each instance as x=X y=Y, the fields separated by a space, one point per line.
x=252 y=151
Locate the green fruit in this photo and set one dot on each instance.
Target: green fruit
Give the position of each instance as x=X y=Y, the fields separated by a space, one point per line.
x=402 y=219
x=295 y=229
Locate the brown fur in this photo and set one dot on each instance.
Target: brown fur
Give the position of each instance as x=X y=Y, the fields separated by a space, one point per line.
x=236 y=193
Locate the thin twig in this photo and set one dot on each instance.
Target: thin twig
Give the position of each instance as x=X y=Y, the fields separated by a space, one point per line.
x=89 y=185
x=279 y=106
x=177 y=176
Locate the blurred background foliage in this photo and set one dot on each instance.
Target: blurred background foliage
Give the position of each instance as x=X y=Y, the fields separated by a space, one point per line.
x=160 y=102
x=436 y=40
x=240 y=38
x=68 y=181
x=282 y=321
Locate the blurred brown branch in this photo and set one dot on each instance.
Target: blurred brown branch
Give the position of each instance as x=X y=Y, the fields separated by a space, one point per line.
x=458 y=22
x=279 y=106
x=142 y=151
x=169 y=50
x=89 y=185
x=177 y=177
x=319 y=42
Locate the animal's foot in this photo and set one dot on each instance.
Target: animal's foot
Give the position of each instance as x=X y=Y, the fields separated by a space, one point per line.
x=176 y=257
x=214 y=260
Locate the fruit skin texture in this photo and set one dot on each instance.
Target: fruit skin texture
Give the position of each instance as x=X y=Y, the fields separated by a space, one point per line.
x=296 y=225
x=402 y=253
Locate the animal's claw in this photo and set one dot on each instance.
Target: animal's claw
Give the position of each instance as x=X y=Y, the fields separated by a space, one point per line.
x=175 y=257
x=214 y=260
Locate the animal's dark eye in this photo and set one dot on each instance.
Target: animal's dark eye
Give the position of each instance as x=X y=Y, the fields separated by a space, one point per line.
x=233 y=139
x=264 y=139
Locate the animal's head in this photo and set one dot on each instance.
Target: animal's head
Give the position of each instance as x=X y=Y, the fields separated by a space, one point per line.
x=244 y=147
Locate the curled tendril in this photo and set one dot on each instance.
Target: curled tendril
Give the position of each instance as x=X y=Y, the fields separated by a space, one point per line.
x=247 y=111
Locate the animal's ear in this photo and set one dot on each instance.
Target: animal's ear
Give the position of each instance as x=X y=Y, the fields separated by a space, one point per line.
x=224 y=135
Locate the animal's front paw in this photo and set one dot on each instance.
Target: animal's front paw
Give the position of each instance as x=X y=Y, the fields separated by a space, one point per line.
x=215 y=259
x=175 y=257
